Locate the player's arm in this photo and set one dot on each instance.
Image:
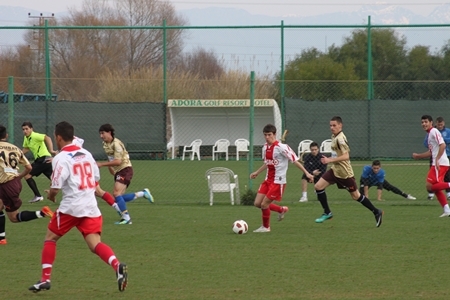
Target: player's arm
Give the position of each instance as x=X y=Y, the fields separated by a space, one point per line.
x=326 y=160
x=113 y=163
x=422 y=155
x=25 y=150
x=256 y=173
x=51 y=194
x=48 y=142
x=379 y=191
x=440 y=153
x=301 y=167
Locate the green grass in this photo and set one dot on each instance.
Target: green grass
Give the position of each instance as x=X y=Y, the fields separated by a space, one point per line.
x=181 y=248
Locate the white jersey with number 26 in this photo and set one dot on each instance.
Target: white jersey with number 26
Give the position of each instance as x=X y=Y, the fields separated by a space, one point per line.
x=75 y=172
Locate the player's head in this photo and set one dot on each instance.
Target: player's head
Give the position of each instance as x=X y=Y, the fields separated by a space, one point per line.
x=314 y=148
x=427 y=122
x=336 y=124
x=3 y=133
x=376 y=166
x=270 y=133
x=440 y=123
x=106 y=132
x=27 y=128
x=63 y=134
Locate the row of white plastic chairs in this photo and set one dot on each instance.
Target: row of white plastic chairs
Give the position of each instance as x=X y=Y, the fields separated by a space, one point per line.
x=303 y=147
x=220 y=146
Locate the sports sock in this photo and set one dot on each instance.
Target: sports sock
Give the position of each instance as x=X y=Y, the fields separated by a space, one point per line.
x=121 y=203
x=47 y=259
x=304 y=194
x=265 y=217
x=2 y=225
x=366 y=202
x=322 y=197
x=139 y=194
x=108 y=198
x=441 y=197
x=33 y=187
x=116 y=207
x=107 y=255
x=274 y=207
x=129 y=197
x=26 y=215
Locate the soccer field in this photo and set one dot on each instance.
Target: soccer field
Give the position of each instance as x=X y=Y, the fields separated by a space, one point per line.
x=181 y=248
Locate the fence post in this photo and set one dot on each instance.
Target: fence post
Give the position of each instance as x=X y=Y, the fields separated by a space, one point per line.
x=370 y=90
x=164 y=62
x=11 y=109
x=283 y=113
x=48 y=82
x=252 y=124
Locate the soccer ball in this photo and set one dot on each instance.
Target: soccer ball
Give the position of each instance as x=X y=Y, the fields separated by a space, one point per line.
x=240 y=227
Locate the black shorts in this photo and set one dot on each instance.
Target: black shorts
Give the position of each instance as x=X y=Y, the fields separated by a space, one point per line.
x=342 y=183
x=124 y=176
x=9 y=193
x=41 y=166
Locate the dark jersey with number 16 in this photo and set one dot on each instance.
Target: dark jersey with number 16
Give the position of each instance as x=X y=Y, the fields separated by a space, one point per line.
x=10 y=158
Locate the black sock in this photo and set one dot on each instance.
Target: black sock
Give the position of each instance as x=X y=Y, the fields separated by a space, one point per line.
x=2 y=225
x=33 y=187
x=322 y=197
x=366 y=202
x=405 y=195
x=26 y=215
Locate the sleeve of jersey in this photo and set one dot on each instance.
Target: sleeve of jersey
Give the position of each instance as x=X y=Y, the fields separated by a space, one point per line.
x=60 y=172
x=365 y=172
x=39 y=136
x=287 y=151
x=118 y=150
x=343 y=145
x=23 y=160
x=380 y=176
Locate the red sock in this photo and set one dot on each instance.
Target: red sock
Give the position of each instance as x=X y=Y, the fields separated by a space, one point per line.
x=266 y=217
x=47 y=259
x=440 y=186
x=107 y=255
x=275 y=207
x=108 y=198
x=441 y=197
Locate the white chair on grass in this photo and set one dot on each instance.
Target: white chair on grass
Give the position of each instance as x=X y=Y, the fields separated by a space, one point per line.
x=241 y=146
x=303 y=147
x=325 y=147
x=223 y=180
x=221 y=146
x=193 y=148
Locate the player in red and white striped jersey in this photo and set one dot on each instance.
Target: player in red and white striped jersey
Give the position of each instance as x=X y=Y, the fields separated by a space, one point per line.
x=276 y=159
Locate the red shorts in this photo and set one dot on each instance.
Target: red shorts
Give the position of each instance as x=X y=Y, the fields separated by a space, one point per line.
x=435 y=176
x=273 y=191
x=61 y=223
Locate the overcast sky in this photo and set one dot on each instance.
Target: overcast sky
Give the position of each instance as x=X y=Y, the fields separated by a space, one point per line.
x=265 y=7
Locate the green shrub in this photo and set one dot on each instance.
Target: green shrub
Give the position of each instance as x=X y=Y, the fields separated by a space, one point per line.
x=248 y=197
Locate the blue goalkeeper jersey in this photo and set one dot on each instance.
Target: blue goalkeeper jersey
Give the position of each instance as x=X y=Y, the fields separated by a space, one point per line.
x=374 y=179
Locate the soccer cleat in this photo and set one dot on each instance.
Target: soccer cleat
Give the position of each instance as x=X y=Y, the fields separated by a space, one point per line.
x=36 y=199
x=47 y=212
x=303 y=199
x=122 y=277
x=262 y=229
x=148 y=196
x=379 y=217
x=281 y=214
x=324 y=217
x=3 y=242
x=445 y=214
x=40 y=286
x=448 y=197
x=410 y=197
x=430 y=197
x=123 y=222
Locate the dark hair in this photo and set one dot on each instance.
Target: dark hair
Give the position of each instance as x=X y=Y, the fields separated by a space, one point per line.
x=27 y=123
x=337 y=119
x=65 y=131
x=313 y=144
x=439 y=119
x=376 y=163
x=2 y=132
x=107 y=128
x=427 y=117
x=270 y=128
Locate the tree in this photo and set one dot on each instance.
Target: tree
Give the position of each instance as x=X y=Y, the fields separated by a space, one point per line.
x=201 y=62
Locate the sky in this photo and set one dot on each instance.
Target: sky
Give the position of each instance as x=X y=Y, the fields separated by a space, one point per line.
x=264 y=7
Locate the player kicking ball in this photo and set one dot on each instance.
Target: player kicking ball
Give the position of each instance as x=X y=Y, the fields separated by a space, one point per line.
x=75 y=172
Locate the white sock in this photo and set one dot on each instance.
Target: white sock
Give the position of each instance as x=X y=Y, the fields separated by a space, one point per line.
x=126 y=216
x=448 y=195
x=139 y=194
x=431 y=195
x=116 y=207
x=38 y=214
x=305 y=194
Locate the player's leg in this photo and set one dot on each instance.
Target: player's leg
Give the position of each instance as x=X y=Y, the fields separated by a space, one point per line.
x=32 y=184
x=389 y=187
x=265 y=212
x=304 y=197
x=435 y=183
x=447 y=179
x=99 y=192
x=119 y=190
x=356 y=195
x=144 y=193
x=2 y=225
x=91 y=229
x=320 y=186
x=275 y=193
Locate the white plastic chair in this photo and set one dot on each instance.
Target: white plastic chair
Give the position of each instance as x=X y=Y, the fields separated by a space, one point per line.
x=303 y=147
x=241 y=146
x=325 y=147
x=221 y=146
x=193 y=148
x=223 y=180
